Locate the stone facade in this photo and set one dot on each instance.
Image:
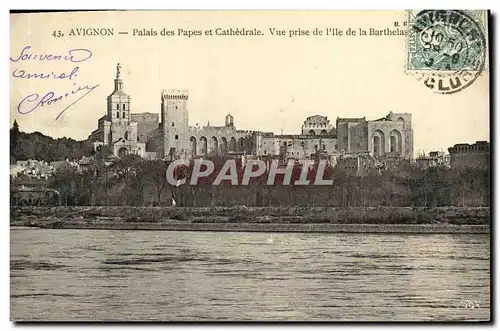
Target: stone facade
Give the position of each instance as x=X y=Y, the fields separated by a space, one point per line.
x=147 y=125
x=296 y=146
x=220 y=140
x=318 y=125
x=172 y=137
x=470 y=156
x=184 y=141
x=391 y=135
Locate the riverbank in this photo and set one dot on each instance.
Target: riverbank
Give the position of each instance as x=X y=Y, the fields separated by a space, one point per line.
x=249 y=227
x=259 y=219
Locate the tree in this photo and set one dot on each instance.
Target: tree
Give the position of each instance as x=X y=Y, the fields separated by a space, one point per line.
x=14 y=140
x=25 y=146
x=65 y=182
x=193 y=189
x=156 y=171
x=126 y=171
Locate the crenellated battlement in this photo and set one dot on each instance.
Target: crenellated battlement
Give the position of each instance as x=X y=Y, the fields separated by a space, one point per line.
x=173 y=94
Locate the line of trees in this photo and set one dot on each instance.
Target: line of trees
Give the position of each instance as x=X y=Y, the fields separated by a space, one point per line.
x=37 y=146
x=134 y=181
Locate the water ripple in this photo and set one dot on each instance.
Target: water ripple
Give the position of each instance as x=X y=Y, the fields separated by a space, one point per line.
x=102 y=275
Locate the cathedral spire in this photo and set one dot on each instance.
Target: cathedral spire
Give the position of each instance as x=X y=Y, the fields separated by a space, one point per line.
x=118 y=79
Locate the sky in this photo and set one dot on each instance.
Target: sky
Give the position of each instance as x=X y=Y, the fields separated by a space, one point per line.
x=268 y=83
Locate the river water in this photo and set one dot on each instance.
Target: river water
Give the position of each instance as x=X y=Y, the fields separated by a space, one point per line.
x=75 y=275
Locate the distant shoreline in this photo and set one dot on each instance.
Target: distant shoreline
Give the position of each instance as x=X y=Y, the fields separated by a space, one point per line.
x=259 y=219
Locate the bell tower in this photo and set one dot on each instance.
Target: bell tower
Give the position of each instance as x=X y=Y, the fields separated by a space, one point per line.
x=119 y=102
x=122 y=133
x=229 y=120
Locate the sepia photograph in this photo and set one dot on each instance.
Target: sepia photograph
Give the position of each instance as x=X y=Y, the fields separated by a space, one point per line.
x=250 y=166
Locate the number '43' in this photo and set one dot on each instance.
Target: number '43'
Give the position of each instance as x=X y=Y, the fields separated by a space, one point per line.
x=57 y=34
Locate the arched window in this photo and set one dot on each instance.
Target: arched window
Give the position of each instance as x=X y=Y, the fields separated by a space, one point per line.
x=123 y=106
x=396 y=141
x=123 y=114
x=378 y=140
x=376 y=145
x=393 y=144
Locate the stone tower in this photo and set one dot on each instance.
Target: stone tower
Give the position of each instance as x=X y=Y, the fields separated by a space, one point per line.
x=174 y=124
x=119 y=110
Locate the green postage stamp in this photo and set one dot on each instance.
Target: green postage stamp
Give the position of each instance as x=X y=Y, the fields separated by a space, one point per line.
x=447 y=47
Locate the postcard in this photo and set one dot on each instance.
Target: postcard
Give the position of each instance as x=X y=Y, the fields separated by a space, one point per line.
x=250 y=166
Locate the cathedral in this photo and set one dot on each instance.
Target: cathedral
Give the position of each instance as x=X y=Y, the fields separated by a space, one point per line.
x=169 y=136
x=116 y=129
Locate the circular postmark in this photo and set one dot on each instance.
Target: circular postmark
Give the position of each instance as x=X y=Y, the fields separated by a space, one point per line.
x=447 y=48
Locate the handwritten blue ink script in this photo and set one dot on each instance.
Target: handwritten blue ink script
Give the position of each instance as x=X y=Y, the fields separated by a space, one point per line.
x=66 y=98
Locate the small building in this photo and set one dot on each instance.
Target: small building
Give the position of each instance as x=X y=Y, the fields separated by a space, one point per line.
x=434 y=159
